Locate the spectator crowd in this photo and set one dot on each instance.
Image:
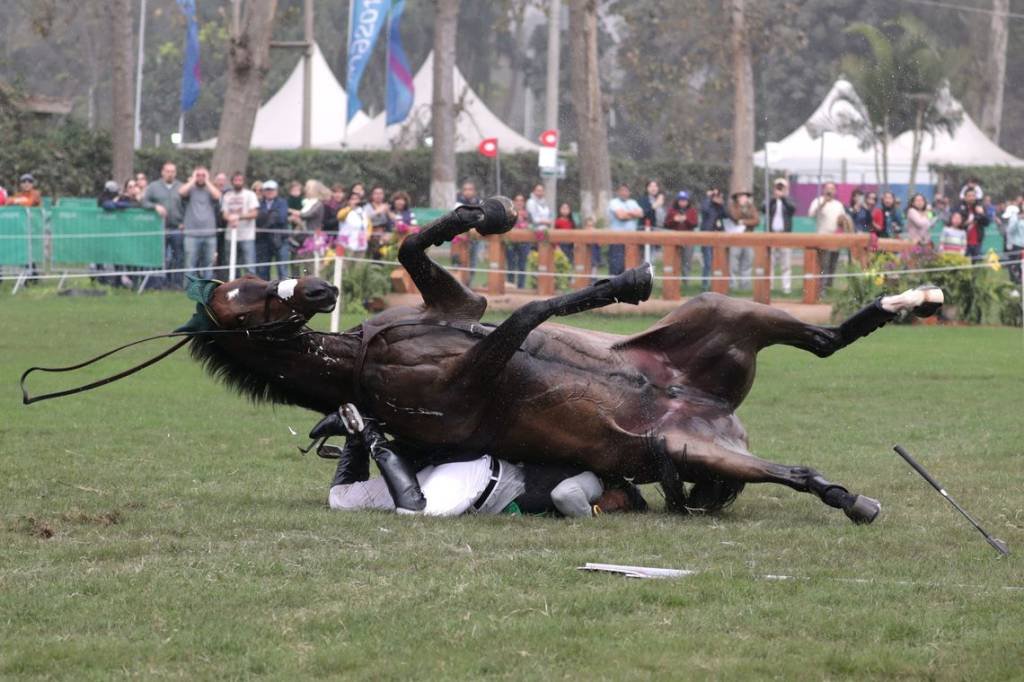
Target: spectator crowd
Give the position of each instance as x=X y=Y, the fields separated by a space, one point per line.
x=271 y=229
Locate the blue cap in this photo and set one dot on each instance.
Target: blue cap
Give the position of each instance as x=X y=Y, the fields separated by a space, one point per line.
x=683 y=195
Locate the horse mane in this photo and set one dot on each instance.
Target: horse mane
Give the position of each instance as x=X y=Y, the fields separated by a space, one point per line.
x=220 y=364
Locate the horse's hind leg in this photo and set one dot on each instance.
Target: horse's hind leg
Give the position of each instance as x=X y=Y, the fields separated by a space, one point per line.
x=490 y=355
x=439 y=289
x=724 y=471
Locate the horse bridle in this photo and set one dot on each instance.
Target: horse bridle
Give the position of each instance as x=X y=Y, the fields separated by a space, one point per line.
x=265 y=330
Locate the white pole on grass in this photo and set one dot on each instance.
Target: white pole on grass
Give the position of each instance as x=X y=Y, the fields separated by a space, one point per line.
x=339 y=263
x=233 y=254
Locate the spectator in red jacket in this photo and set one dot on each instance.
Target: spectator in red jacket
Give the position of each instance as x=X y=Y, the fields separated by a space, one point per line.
x=565 y=221
x=682 y=215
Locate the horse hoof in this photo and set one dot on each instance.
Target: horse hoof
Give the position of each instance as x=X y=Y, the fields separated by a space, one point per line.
x=933 y=300
x=635 y=285
x=499 y=216
x=863 y=510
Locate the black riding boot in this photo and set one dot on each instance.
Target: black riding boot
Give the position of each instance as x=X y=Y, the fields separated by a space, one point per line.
x=399 y=476
x=353 y=461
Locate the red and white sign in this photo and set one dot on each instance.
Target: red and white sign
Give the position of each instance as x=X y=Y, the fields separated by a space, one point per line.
x=488 y=147
x=549 y=138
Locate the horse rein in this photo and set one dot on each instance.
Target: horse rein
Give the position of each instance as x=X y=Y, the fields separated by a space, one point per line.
x=263 y=330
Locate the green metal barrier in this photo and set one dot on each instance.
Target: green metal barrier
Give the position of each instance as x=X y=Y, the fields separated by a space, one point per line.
x=15 y=224
x=92 y=235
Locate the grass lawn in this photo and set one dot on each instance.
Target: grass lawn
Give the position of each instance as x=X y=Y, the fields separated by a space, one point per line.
x=163 y=527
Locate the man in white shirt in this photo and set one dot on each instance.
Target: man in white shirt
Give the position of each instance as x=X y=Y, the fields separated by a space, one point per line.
x=779 y=211
x=240 y=206
x=538 y=209
x=624 y=214
x=827 y=211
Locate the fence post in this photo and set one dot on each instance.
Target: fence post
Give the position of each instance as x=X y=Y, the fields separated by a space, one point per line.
x=545 y=268
x=581 y=265
x=670 y=268
x=811 y=272
x=632 y=255
x=762 y=267
x=719 y=267
x=496 y=258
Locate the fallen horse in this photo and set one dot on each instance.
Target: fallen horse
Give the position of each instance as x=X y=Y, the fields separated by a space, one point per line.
x=658 y=406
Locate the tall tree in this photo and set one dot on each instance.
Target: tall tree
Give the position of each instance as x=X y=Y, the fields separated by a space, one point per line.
x=248 y=63
x=591 y=125
x=995 y=71
x=442 y=164
x=123 y=90
x=742 y=178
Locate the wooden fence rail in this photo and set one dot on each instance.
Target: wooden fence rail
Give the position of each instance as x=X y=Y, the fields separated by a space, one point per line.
x=671 y=242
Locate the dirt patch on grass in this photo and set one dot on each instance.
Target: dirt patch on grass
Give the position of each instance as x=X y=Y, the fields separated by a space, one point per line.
x=37 y=528
x=47 y=528
x=107 y=518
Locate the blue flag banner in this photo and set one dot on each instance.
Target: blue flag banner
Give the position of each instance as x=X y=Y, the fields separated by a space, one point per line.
x=400 y=89
x=190 y=74
x=367 y=18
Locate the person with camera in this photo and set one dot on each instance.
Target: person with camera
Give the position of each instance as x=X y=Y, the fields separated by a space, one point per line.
x=780 y=211
x=742 y=216
x=829 y=215
x=712 y=219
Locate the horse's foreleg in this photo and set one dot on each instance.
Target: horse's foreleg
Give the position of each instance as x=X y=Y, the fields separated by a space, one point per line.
x=490 y=355
x=720 y=471
x=439 y=288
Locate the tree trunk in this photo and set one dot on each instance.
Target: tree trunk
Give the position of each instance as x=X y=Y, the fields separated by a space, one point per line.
x=592 y=128
x=442 y=164
x=915 y=149
x=742 y=178
x=248 y=64
x=122 y=85
x=885 y=153
x=995 y=71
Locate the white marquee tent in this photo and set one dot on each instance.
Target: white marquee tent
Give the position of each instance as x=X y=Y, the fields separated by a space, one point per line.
x=799 y=153
x=279 y=121
x=475 y=121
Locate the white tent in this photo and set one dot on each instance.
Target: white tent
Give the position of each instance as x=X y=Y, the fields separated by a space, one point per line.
x=839 y=154
x=279 y=121
x=475 y=121
x=799 y=153
x=968 y=146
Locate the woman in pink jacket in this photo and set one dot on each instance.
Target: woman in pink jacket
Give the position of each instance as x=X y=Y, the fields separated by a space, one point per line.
x=919 y=224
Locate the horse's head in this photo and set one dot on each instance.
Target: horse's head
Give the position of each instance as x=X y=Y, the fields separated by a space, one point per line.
x=252 y=303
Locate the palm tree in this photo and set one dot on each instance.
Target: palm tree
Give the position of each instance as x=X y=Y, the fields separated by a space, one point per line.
x=900 y=81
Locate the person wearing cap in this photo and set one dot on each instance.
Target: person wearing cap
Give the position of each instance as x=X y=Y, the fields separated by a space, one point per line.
x=742 y=216
x=779 y=211
x=162 y=196
x=272 y=231
x=27 y=194
x=682 y=216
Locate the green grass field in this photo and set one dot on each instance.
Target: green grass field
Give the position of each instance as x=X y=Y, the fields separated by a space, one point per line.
x=163 y=527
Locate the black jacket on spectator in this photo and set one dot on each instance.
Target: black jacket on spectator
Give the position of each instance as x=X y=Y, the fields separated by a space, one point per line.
x=981 y=220
x=788 y=210
x=712 y=216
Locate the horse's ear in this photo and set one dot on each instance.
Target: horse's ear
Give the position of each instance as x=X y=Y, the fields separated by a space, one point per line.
x=201 y=290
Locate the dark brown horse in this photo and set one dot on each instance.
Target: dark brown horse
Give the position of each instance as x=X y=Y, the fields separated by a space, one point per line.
x=656 y=406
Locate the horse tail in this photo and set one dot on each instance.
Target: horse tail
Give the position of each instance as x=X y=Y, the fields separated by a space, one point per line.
x=706 y=496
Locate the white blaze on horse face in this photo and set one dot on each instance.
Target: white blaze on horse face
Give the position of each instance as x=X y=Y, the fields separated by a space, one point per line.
x=286 y=289
x=233 y=294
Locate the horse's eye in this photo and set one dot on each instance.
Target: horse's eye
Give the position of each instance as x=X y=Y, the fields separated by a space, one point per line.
x=241 y=318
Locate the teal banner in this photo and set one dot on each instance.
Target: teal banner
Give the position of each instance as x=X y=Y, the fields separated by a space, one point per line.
x=16 y=223
x=92 y=235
